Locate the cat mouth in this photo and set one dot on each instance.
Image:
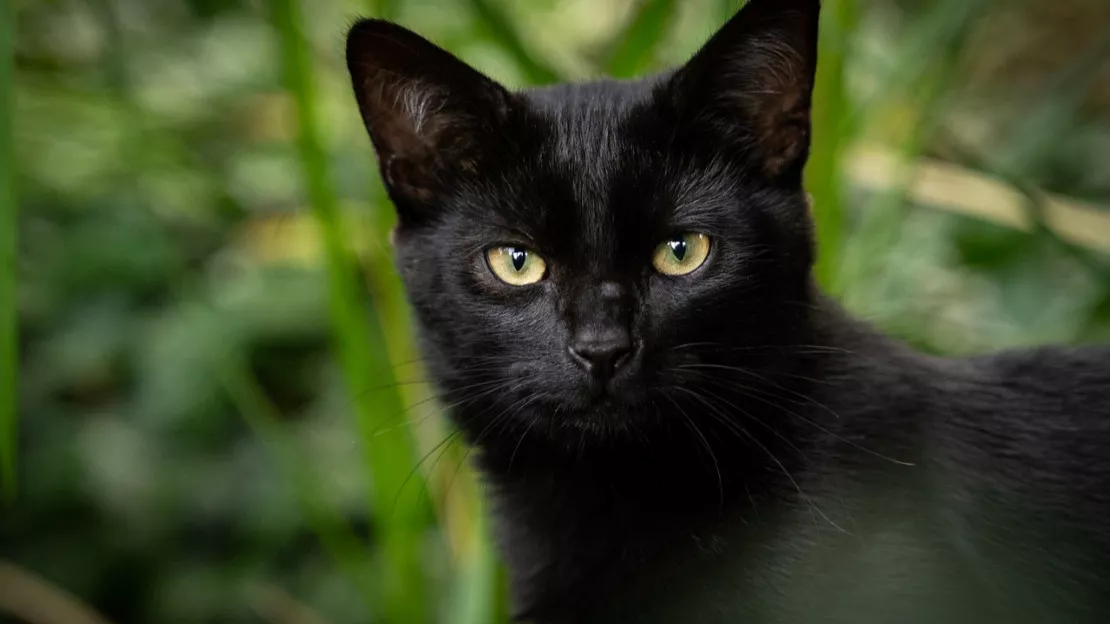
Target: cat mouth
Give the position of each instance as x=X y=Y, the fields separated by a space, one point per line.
x=597 y=390
x=606 y=395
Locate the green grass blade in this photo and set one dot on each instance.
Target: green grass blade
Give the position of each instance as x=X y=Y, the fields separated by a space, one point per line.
x=478 y=593
x=502 y=28
x=633 y=52
x=452 y=484
x=9 y=333
x=478 y=599
x=389 y=458
x=831 y=136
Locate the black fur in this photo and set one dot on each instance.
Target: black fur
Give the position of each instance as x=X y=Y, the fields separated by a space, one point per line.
x=759 y=456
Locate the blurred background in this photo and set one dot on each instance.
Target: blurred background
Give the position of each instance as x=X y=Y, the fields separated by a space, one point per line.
x=221 y=417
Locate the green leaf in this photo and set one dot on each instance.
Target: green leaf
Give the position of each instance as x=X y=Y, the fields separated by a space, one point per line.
x=477 y=599
x=634 y=50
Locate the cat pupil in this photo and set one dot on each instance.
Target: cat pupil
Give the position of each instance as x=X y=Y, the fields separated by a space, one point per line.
x=518 y=257
x=678 y=248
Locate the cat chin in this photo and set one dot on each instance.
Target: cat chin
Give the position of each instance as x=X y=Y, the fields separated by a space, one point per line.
x=582 y=432
x=609 y=417
x=616 y=403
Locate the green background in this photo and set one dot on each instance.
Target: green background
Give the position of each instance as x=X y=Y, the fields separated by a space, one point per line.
x=214 y=412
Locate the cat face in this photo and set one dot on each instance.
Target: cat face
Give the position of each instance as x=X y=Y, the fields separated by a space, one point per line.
x=584 y=257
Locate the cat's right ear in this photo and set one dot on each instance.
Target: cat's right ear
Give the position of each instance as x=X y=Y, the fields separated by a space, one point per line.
x=428 y=113
x=752 y=83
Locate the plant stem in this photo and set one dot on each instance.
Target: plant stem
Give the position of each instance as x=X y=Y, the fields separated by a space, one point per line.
x=359 y=345
x=824 y=173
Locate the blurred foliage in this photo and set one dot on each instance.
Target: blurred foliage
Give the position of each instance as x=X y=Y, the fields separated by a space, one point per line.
x=222 y=416
x=8 y=224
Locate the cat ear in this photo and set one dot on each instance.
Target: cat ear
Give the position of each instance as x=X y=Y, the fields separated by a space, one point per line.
x=427 y=112
x=752 y=82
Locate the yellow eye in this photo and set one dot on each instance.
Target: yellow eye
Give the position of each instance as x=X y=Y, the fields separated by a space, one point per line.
x=681 y=254
x=516 y=265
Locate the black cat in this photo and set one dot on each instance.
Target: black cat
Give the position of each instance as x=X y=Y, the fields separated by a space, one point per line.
x=612 y=284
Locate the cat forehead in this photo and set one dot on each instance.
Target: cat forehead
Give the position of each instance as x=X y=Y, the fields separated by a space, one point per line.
x=583 y=122
x=601 y=164
x=586 y=98
x=597 y=131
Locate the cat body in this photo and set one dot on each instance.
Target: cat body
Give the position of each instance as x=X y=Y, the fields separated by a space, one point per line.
x=612 y=282
x=934 y=491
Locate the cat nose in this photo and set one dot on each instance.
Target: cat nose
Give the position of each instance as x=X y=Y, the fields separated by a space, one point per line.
x=601 y=356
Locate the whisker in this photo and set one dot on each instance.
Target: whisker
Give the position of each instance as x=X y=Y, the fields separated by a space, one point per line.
x=705 y=443
x=442 y=444
x=754 y=394
x=789 y=348
x=512 y=457
x=449 y=438
x=487 y=386
x=751 y=499
x=523 y=403
x=804 y=496
x=777 y=462
x=718 y=416
x=751 y=373
x=759 y=422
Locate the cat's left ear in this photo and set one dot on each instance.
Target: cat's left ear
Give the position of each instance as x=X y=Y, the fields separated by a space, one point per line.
x=752 y=83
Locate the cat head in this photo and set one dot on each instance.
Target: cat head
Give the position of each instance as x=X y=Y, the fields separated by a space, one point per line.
x=587 y=257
